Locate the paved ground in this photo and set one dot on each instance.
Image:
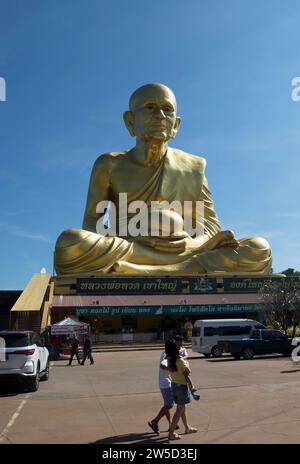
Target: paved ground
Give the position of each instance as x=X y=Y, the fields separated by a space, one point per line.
x=255 y=401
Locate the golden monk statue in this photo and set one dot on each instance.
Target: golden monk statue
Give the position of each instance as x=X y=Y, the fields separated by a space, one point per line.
x=153 y=173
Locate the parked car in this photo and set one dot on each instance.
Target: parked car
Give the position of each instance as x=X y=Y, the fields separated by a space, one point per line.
x=263 y=341
x=23 y=357
x=208 y=332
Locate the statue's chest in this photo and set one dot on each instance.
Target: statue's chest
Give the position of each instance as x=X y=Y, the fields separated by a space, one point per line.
x=180 y=185
x=148 y=183
x=130 y=177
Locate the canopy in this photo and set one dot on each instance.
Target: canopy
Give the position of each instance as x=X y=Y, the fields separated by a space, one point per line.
x=69 y=326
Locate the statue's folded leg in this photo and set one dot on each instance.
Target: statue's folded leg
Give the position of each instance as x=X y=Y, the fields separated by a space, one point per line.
x=79 y=252
x=187 y=267
x=252 y=256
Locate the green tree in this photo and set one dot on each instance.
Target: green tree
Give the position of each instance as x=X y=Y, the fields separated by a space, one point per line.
x=290 y=272
x=281 y=304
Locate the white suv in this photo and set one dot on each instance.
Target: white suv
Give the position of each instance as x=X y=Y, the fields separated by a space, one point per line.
x=23 y=357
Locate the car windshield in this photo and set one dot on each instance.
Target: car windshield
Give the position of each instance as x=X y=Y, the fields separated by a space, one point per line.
x=15 y=340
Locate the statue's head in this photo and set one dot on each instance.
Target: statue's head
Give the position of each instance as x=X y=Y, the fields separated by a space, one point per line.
x=152 y=113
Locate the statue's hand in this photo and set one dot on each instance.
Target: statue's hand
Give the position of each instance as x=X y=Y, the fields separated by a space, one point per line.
x=167 y=245
x=225 y=238
x=178 y=246
x=186 y=243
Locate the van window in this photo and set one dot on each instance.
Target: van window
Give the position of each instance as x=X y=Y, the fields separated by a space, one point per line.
x=210 y=331
x=196 y=331
x=239 y=330
x=227 y=330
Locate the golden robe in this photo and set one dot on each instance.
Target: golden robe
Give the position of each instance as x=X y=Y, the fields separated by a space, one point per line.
x=179 y=176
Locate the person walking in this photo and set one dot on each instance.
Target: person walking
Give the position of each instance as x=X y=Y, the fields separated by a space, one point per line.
x=188 y=328
x=179 y=340
x=182 y=388
x=87 y=350
x=74 y=350
x=164 y=381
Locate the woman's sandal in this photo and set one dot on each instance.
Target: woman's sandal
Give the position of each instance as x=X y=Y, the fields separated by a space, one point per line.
x=176 y=428
x=154 y=428
x=191 y=430
x=175 y=436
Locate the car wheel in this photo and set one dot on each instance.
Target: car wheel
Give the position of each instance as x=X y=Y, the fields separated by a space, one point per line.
x=46 y=373
x=236 y=356
x=216 y=351
x=34 y=382
x=248 y=353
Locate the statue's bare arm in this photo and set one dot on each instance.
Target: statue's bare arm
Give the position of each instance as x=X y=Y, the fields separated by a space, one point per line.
x=99 y=190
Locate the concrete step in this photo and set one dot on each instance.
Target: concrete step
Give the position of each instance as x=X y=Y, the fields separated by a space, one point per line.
x=119 y=347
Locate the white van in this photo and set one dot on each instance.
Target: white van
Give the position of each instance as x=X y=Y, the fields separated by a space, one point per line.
x=207 y=333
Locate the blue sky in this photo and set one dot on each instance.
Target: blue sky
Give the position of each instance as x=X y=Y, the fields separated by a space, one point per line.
x=70 y=67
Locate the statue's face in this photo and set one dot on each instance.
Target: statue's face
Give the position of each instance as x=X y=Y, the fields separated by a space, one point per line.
x=153 y=114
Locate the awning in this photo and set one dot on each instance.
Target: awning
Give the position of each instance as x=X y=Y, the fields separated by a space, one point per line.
x=77 y=301
x=33 y=295
x=69 y=326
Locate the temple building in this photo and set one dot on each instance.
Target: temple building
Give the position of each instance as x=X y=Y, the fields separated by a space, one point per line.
x=120 y=308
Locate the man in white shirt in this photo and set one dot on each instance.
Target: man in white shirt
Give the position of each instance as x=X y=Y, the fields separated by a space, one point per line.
x=164 y=381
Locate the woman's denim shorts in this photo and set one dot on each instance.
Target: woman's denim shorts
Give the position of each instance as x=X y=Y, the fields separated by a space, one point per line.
x=181 y=393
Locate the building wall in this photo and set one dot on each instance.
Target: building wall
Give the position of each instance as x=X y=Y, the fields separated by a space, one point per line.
x=28 y=320
x=115 y=324
x=7 y=300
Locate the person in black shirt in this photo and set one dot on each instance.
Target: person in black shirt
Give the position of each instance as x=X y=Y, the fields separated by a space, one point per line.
x=87 y=351
x=74 y=350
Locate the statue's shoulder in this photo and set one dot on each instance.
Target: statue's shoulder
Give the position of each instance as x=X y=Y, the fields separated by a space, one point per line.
x=195 y=162
x=107 y=160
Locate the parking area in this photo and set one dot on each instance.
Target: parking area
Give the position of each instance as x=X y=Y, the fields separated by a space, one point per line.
x=254 y=401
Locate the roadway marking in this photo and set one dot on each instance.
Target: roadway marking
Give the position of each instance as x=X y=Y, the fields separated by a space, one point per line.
x=3 y=435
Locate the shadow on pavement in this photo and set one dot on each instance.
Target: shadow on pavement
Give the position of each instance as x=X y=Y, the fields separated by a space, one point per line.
x=203 y=358
x=67 y=365
x=230 y=359
x=11 y=389
x=290 y=372
x=61 y=359
x=133 y=439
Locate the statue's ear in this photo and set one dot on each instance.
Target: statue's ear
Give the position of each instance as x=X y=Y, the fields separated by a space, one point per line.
x=176 y=127
x=128 y=119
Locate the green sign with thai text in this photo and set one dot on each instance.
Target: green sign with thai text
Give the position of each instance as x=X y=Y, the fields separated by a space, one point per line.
x=145 y=285
x=254 y=284
x=163 y=310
